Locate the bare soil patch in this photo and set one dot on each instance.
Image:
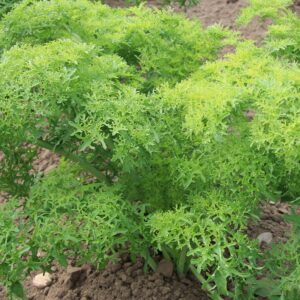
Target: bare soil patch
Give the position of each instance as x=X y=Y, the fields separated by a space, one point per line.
x=122 y=280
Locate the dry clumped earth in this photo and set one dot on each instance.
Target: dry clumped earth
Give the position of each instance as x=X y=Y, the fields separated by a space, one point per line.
x=122 y=280
x=126 y=280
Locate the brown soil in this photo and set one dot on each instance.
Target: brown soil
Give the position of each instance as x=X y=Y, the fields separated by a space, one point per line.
x=124 y=280
x=45 y=162
x=223 y=12
x=271 y=220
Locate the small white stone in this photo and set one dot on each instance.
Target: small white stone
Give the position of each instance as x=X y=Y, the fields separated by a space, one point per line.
x=53 y=268
x=265 y=237
x=42 y=280
x=41 y=253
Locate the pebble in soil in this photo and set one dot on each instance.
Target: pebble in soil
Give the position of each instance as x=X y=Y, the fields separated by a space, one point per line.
x=42 y=280
x=124 y=280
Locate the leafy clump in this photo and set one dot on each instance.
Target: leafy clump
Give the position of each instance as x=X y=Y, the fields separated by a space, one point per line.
x=160 y=45
x=207 y=238
x=283 y=37
x=263 y=9
x=6 y=6
x=214 y=104
x=169 y=149
x=96 y=220
x=98 y=223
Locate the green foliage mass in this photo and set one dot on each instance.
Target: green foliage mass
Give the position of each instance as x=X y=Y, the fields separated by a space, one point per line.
x=283 y=37
x=6 y=6
x=204 y=236
x=213 y=103
x=168 y=149
x=94 y=218
x=160 y=45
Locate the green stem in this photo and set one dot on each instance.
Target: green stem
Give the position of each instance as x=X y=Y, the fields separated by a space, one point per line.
x=181 y=263
x=149 y=260
x=197 y=275
x=171 y=252
x=204 y=283
x=165 y=253
x=81 y=161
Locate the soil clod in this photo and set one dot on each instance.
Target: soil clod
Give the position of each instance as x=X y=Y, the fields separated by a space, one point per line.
x=165 y=267
x=265 y=237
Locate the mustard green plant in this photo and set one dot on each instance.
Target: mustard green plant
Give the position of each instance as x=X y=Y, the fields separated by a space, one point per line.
x=165 y=148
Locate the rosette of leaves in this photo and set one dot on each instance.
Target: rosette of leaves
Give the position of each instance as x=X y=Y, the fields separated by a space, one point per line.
x=77 y=63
